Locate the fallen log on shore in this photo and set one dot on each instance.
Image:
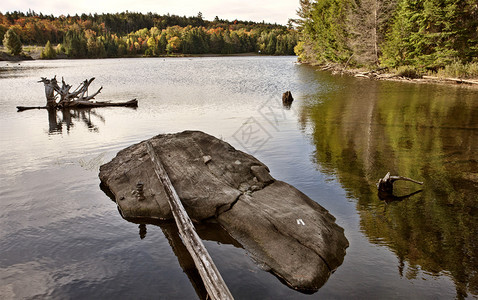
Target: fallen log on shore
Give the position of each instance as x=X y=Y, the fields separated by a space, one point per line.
x=455 y=80
x=286 y=232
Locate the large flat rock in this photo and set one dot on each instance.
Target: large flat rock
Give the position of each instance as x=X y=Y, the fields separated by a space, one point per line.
x=284 y=230
x=295 y=236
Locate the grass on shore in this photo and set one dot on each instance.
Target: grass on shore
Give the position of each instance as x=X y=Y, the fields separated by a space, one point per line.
x=459 y=70
x=453 y=70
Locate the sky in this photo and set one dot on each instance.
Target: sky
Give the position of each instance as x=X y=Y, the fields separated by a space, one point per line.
x=270 y=11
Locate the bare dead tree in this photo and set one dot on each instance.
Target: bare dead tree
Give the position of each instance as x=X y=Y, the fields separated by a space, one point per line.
x=67 y=98
x=367 y=23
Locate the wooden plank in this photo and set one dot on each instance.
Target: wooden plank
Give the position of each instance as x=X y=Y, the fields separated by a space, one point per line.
x=215 y=285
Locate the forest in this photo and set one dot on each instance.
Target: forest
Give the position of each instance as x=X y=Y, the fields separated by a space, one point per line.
x=424 y=36
x=136 y=34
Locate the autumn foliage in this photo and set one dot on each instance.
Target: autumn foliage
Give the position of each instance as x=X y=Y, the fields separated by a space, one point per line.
x=132 y=34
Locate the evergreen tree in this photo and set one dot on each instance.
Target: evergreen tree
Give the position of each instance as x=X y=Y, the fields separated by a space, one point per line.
x=75 y=44
x=48 y=52
x=122 y=50
x=3 y=30
x=162 y=43
x=328 y=31
x=271 y=44
x=12 y=42
x=111 y=46
x=95 y=48
x=432 y=33
x=216 y=42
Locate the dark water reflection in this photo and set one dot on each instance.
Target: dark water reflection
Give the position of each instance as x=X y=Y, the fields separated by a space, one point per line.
x=207 y=232
x=427 y=132
x=64 y=119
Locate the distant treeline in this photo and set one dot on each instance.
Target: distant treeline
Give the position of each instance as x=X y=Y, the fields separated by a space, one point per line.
x=424 y=34
x=130 y=34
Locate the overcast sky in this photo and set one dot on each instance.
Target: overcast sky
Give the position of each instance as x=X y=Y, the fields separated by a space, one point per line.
x=271 y=11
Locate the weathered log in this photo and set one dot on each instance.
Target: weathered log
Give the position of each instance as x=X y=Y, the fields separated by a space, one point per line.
x=213 y=281
x=385 y=184
x=456 y=80
x=87 y=104
x=287 y=99
x=22 y=108
x=84 y=104
x=361 y=75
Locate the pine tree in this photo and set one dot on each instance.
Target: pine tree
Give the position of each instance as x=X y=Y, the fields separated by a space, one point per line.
x=432 y=33
x=304 y=13
x=75 y=44
x=95 y=48
x=48 y=52
x=12 y=42
x=329 y=30
x=162 y=43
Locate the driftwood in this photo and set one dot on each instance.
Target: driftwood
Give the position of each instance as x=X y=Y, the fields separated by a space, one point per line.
x=212 y=279
x=79 y=98
x=86 y=104
x=385 y=184
x=456 y=80
x=66 y=97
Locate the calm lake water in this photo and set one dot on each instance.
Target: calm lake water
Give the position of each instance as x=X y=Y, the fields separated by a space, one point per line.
x=62 y=237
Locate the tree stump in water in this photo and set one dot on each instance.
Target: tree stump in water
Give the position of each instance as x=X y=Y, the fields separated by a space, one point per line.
x=385 y=184
x=49 y=91
x=287 y=99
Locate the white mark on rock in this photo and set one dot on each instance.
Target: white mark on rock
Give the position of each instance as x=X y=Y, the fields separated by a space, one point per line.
x=300 y=222
x=206 y=158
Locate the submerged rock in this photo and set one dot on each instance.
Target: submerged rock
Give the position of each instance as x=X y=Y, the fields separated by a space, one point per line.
x=284 y=230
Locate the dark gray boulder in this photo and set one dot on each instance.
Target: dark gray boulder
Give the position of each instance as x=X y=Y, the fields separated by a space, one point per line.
x=284 y=230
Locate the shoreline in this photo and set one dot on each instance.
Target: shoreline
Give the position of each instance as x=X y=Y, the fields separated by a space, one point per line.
x=36 y=56
x=380 y=74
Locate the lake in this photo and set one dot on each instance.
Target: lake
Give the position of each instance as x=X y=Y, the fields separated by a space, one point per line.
x=62 y=237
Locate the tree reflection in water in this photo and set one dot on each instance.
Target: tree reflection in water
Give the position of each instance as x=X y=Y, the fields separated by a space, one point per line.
x=65 y=119
x=427 y=132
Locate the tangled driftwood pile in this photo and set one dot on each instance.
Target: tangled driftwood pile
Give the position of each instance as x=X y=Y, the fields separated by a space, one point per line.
x=62 y=97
